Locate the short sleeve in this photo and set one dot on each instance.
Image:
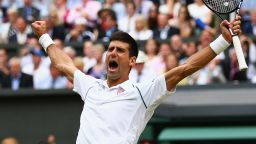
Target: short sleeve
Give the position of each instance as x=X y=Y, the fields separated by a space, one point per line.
x=154 y=91
x=82 y=83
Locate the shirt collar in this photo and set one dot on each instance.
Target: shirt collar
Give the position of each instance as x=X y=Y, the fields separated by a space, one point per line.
x=126 y=85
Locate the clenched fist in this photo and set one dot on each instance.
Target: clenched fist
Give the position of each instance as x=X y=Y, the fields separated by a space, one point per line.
x=39 y=27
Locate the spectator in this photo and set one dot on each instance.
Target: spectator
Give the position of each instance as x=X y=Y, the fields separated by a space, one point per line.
x=9 y=140
x=141 y=31
x=3 y=62
x=249 y=50
x=80 y=32
x=107 y=26
x=190 y=48
x=231 y=70
x=54 y=29
x=29 y=12
x=62 y=10
x=249 y=26
x=17 y=79
x=143 y=6
x=51 y=139
x=177 y=44
x=70 y=51
x=88 y=59
x=171 y=7
x=139 y=73
x=164 y=52
x=164 y=31
x=40 y=72
x=22 y=32
x=87 y=9
x=183 y=22
x=152 y=63
x=198 y=10
x=58 y=81
x=127 y=23
x=98 y=71
x=171 y=62
x=152 y=17
x=7 y=30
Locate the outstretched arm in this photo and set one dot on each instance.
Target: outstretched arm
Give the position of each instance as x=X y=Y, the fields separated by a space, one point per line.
x=58 y=58
x=201 y=58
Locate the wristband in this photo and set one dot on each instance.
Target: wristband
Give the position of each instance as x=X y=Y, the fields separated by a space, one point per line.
x=45 y=40
x=219 y=45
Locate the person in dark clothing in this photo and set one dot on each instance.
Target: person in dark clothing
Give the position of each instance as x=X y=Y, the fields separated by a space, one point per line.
x=16 y=79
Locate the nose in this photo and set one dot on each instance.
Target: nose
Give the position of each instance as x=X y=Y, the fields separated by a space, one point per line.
x=113 y=53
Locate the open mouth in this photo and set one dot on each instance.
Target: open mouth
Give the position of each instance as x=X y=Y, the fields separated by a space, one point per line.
x=113 y=65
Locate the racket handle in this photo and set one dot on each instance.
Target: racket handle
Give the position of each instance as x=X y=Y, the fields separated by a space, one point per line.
x=239 y=53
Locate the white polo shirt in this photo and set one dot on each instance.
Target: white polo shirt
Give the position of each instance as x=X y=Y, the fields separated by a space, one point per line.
x=116 y=115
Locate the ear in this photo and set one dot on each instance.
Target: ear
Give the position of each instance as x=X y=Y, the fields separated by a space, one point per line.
x=132 y=61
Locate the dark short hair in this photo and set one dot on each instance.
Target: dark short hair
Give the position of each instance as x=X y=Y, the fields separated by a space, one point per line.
x=125 y=37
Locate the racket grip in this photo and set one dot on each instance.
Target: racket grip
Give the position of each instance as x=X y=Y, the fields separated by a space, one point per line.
x=239 y=53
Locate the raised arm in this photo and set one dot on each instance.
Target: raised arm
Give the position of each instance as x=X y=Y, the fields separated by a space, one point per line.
x=204 y=56
x=58 y=58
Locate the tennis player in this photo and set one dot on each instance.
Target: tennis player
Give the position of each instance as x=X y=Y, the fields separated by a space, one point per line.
x=116 y=110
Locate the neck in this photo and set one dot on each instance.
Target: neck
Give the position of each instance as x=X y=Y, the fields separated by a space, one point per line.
x=112 y=82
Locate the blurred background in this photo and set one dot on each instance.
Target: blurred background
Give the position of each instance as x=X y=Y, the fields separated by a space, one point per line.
x=215 y=105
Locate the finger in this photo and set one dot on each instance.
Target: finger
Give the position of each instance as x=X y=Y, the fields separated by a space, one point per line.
x=238 y=31
x=225 y=24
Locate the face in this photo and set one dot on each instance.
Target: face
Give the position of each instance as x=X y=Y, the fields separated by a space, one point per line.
x=118 y=62
x=15 y=67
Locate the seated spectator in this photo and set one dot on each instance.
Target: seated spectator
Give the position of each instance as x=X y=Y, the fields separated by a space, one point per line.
x=177 y=45
x=88 y=59
x=127 y=23
x=86 y=9
x=51 y=139
x=62 y=10
x=249 y=50
x=153 y=60
x=198 y=10
x=29 y=12
x=79 y=33
x=3 y=62
x=98 y=71
x=40 y=72
x=107 y=26
x=9 y=140
x=164 y=31
x=16 y=79
x=143 y=6
x=59 y=81
x=231 y=69
x=152 y=17
x=141 y=31
x=183 y=22
x=171 y=7
x=8 y=29
x=139 y=73
x=249 y=26
x=55 y=30
x=22 y=32
x=70 y=51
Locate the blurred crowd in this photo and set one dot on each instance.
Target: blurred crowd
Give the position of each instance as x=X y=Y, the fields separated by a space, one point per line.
x=51 y=139
x=168 y=32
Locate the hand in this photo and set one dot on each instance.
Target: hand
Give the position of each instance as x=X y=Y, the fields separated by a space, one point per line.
x=39 y=28
x=235 y=27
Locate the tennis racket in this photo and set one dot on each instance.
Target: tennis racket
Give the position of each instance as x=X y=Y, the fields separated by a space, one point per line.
x=223 y=7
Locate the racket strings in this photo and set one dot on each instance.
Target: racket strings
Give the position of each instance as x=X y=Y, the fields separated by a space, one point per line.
x=222 y=6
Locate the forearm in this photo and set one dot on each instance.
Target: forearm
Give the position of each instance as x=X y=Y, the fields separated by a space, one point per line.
x=192 y=64
x=61 y=61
